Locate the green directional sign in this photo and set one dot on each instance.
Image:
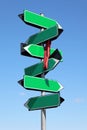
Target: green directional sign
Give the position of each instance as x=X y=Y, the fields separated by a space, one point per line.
x=37 y=51
x=43 y=36
x=38 y=20
x=41 y=84
x=38 y=69
x=29 y=50
x=40 y=102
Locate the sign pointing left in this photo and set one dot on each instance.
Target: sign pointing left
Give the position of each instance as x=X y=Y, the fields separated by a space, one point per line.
x=44 y=102
x=36 y=50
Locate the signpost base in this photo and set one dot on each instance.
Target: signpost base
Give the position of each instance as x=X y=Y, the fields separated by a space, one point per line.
x=43 y=119
x=43 y=116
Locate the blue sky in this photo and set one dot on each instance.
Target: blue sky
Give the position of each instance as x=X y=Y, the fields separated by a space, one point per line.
x=71 y=73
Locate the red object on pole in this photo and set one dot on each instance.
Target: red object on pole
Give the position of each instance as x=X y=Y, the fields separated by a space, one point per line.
x=46 y=53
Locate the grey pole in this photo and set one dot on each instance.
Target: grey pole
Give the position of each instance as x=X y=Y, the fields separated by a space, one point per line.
x=43 y=116
x=43 y=111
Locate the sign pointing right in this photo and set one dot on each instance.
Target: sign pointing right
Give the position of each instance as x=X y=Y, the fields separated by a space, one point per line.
x=41 y=84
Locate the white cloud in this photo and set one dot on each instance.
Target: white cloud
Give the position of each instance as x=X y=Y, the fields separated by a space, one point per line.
x=79 y=100
x=22 y=94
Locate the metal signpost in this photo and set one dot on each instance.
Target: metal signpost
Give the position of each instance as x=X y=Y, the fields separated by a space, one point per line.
x=39 y=46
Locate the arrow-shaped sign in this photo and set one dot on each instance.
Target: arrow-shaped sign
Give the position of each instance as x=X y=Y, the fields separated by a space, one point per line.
x=39 y=21
x=41 y=84
x=36 y=51
x=43 y=36
x=37 y=69
x=40 y=102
